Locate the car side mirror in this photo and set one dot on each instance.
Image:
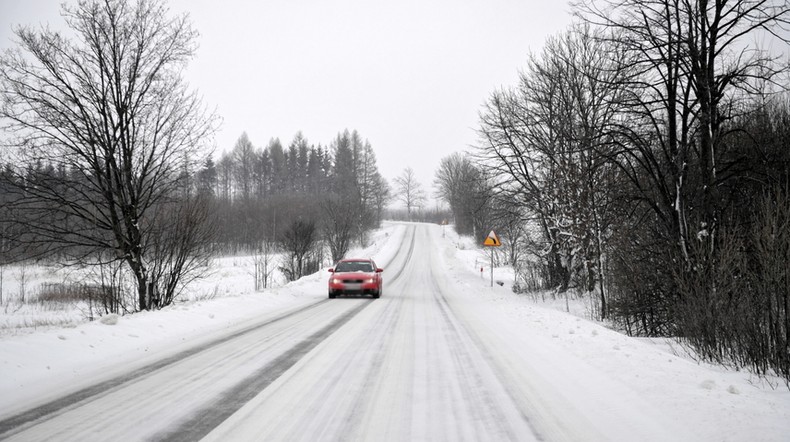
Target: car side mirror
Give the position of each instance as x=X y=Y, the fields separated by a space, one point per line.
x=331 y=270
x=379 y=270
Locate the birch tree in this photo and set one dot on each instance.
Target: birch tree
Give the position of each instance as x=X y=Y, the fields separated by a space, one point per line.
x=409 y=191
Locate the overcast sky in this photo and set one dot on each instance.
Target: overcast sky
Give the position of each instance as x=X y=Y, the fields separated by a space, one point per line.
x=409 y=75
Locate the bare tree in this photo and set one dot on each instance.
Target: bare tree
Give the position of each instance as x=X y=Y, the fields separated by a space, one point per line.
x=263 y=262
x=464 y=186
x=109 y=107
x=244 y=162
x=546 y=143
x=368 y=179
x=382 y=195
x=691 y=62
x=180 y=246
x=340 y=225
x=409 y=191
x=298 y=242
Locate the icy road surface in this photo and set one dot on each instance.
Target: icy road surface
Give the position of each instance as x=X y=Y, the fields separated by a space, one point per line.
x=429 y=361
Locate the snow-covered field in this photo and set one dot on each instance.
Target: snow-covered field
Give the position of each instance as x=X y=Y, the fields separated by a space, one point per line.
x=37 y=365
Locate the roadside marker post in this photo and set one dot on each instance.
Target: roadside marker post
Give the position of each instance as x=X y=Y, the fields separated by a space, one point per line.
x=492 y=240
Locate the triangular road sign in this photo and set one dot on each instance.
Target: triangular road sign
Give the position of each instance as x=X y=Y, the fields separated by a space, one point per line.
x=492 y=240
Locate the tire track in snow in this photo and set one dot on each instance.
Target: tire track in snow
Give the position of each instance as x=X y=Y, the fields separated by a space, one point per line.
x=26 y=419
x=206 y=419
x=21 y=421
x=345 y=421
x=478 y=374
x=546 y=424
x=347 y=382
x=409 y=253
x=378 y=344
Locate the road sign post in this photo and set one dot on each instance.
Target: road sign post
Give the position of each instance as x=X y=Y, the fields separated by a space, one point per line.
x=492 y=267
x=492 y=240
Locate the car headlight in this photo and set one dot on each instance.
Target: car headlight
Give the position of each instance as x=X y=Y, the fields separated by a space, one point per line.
x=371 y=280
x=337 y=281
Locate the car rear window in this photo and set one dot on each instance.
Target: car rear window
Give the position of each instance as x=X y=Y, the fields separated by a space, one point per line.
x=354 y=266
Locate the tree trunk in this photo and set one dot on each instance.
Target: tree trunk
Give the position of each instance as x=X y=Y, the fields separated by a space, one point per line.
x=143 y=297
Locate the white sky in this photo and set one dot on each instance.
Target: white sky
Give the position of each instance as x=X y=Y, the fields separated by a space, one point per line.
x=409 y=75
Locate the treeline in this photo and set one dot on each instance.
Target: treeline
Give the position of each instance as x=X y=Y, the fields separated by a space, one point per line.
x=645 y=152
x=302 y=200
x=258 y=192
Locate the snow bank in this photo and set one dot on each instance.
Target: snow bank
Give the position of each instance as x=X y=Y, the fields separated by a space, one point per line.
x=720 y=404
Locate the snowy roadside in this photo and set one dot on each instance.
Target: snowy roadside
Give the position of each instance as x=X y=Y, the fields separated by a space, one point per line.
x=717 y=403
x=40 y=365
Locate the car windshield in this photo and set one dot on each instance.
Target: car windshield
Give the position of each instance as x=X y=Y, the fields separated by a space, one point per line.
x=354 y=266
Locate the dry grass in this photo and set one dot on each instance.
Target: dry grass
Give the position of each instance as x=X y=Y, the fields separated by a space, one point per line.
x=64 y=293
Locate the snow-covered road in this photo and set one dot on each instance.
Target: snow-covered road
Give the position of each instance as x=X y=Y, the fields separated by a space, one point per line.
x=430 y=360
x=403 y=369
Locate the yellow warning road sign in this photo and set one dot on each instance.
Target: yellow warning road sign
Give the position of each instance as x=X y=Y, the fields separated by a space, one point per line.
x=492 y=240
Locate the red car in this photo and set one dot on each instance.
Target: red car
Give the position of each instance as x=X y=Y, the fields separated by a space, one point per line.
x=355 y=277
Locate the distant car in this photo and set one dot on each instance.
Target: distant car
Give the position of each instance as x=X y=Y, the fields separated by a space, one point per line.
x=355 y=277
